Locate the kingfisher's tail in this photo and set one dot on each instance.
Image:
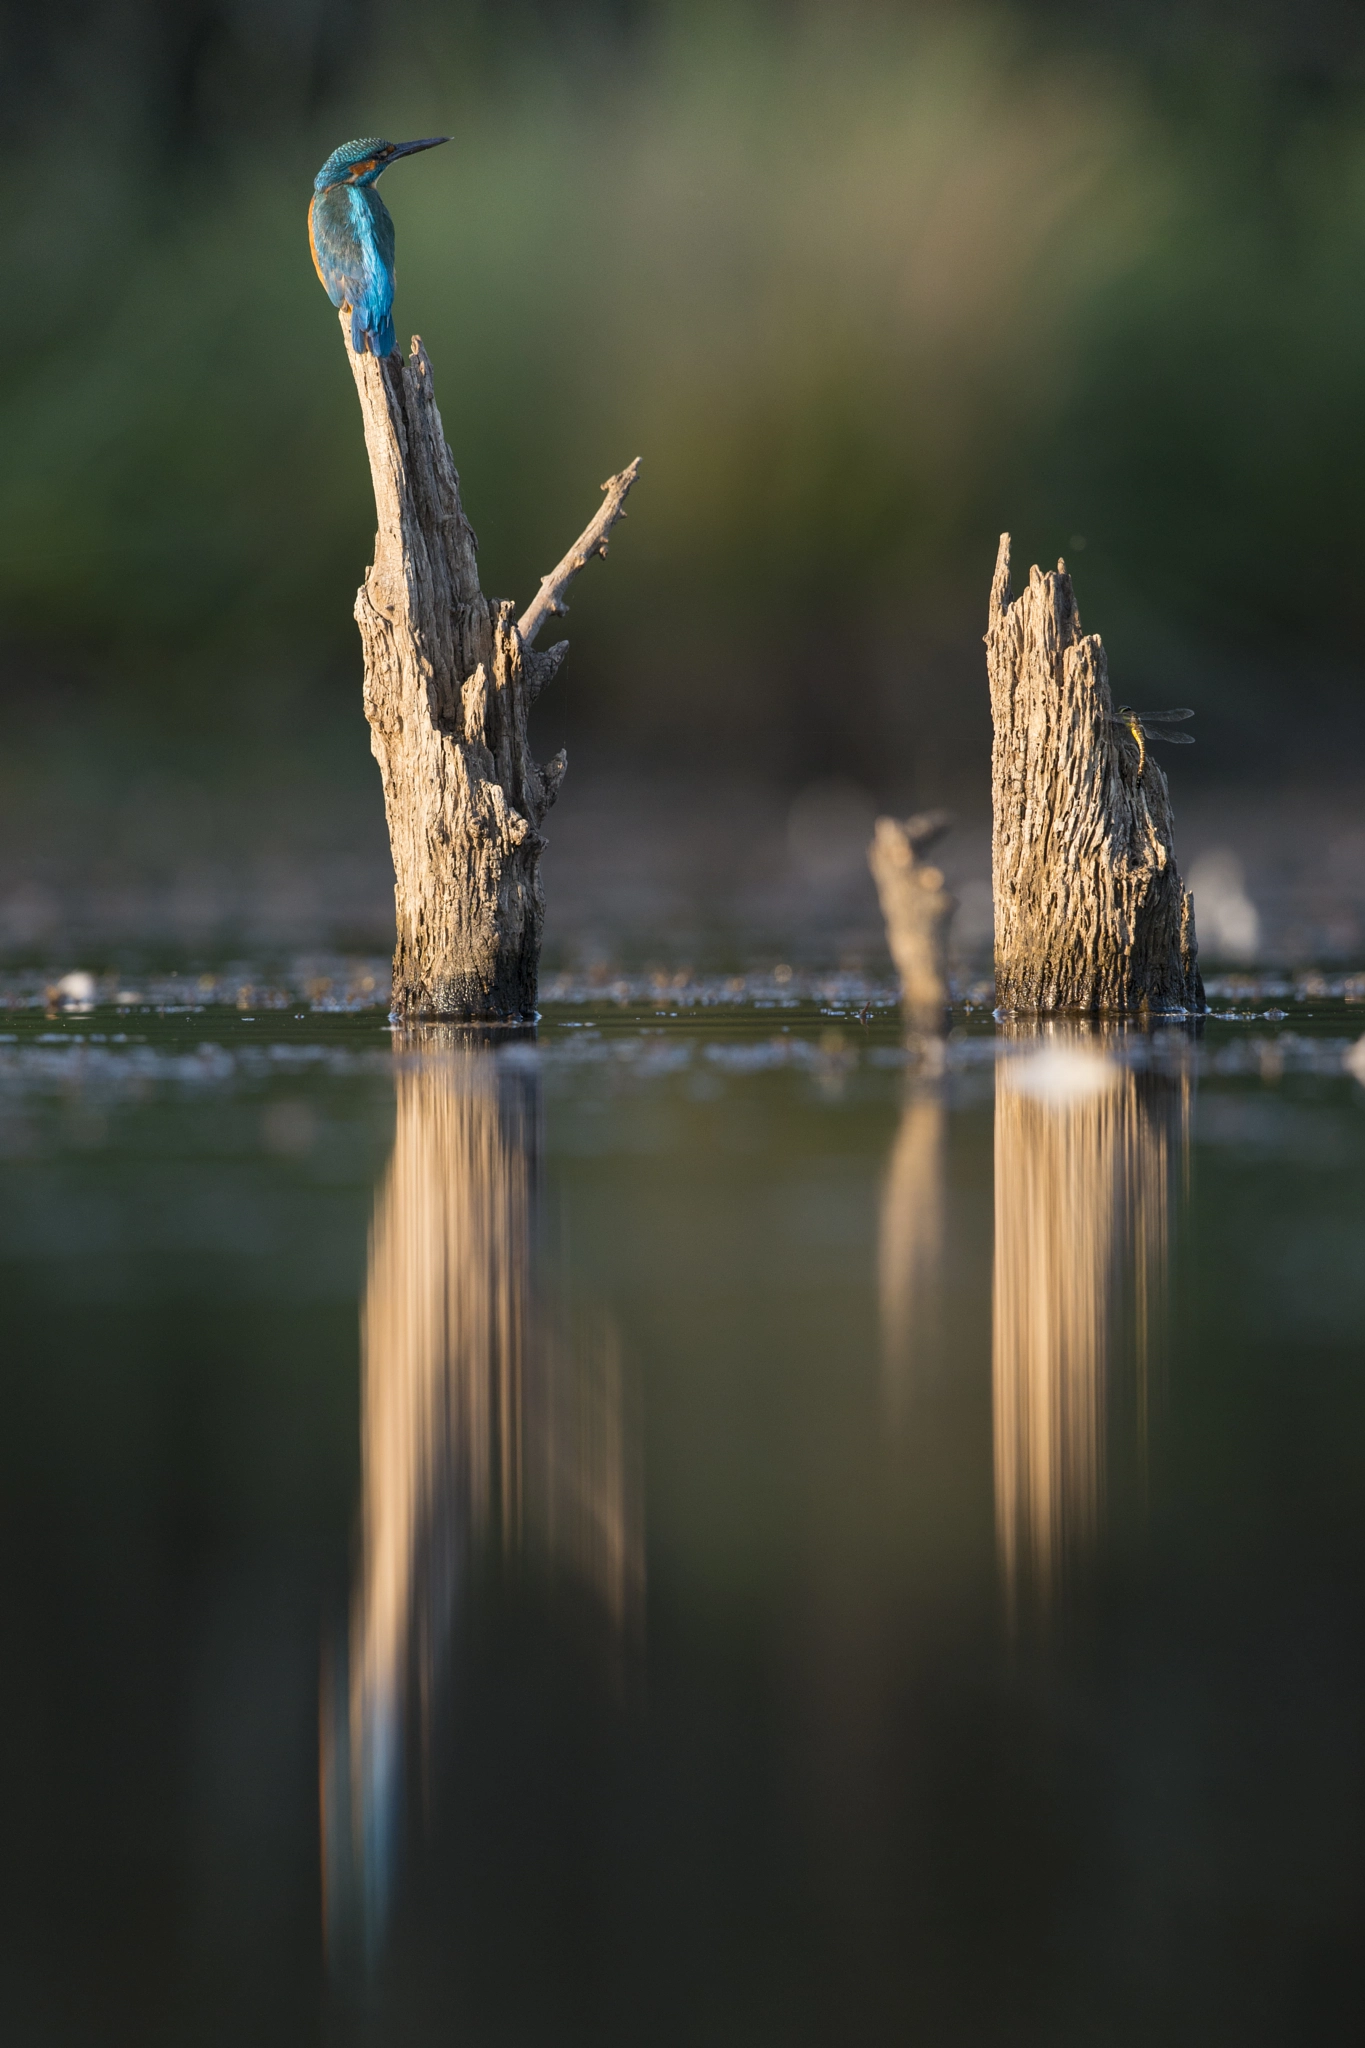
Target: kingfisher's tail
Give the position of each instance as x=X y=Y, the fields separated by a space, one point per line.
x=376 y=336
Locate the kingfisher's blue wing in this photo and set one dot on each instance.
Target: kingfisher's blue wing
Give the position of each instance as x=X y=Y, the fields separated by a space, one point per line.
x=381 y=228
x=338 y=254
x=352 y=238
x=372 y=319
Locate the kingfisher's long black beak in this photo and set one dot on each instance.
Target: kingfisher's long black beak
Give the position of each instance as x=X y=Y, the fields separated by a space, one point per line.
x=407 y=148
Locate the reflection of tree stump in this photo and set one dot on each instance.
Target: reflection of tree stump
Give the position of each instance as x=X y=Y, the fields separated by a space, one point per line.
x=1086 y=1166
x=484 y=1419
x=1090 y=910
x=450 y=677
x=910 y=1248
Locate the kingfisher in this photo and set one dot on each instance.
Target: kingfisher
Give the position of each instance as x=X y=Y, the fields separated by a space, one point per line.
x=350 y=232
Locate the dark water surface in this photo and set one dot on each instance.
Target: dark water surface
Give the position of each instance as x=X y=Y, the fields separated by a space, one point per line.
x=681 y=1530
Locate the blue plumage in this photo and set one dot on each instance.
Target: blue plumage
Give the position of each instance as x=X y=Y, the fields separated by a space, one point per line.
x=350 y=232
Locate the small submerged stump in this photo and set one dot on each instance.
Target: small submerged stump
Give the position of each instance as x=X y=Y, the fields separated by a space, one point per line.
x=450 y=677
x=917 y=909
x=1090 y=910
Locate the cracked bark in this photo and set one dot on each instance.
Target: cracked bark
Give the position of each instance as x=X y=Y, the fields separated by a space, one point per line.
x=450 y=677
x=1090 y=910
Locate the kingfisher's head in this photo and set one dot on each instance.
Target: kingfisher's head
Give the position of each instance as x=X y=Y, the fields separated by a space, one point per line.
x=361 y=162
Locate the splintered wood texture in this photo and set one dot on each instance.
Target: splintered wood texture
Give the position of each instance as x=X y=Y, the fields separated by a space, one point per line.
x=1090 y=910
x=448 y=684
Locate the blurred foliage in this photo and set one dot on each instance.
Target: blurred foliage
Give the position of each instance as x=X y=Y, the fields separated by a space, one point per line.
x=863 y=284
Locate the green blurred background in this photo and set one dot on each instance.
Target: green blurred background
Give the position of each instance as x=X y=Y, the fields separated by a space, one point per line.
x=863 y=284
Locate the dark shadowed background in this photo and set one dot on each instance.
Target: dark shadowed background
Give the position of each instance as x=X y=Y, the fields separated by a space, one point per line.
x=863 y=284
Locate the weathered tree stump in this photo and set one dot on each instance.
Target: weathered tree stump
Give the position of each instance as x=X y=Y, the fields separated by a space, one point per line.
x=918 y=910
x=1090 y=910
x=450 y=676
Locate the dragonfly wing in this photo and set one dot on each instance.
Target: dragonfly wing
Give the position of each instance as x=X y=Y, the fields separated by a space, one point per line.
x=1175 y=739
x=1160 y=717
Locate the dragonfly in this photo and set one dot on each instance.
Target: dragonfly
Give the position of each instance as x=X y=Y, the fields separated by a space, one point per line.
x=1147 y=725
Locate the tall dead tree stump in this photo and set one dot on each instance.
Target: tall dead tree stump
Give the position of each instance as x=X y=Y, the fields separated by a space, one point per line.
x=1090 y=910
x=450 y=677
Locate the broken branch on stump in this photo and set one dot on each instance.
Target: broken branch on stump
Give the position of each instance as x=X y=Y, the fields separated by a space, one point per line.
x=449 y=680
x=917 y=909
x=1090 y=910
x=548 y=601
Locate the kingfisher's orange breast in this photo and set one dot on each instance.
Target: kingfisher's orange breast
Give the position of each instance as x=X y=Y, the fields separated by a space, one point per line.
x=312 y=245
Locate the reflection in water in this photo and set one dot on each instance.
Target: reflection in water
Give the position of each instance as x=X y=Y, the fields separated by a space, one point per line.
x=480 y=1421
x=1086 y=1153
x=910 y=1251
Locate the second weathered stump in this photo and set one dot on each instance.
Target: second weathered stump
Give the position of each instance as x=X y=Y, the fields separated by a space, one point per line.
x=1090 y=910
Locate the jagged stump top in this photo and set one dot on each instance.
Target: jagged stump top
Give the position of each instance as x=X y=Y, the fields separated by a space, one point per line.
x=1090 y=910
